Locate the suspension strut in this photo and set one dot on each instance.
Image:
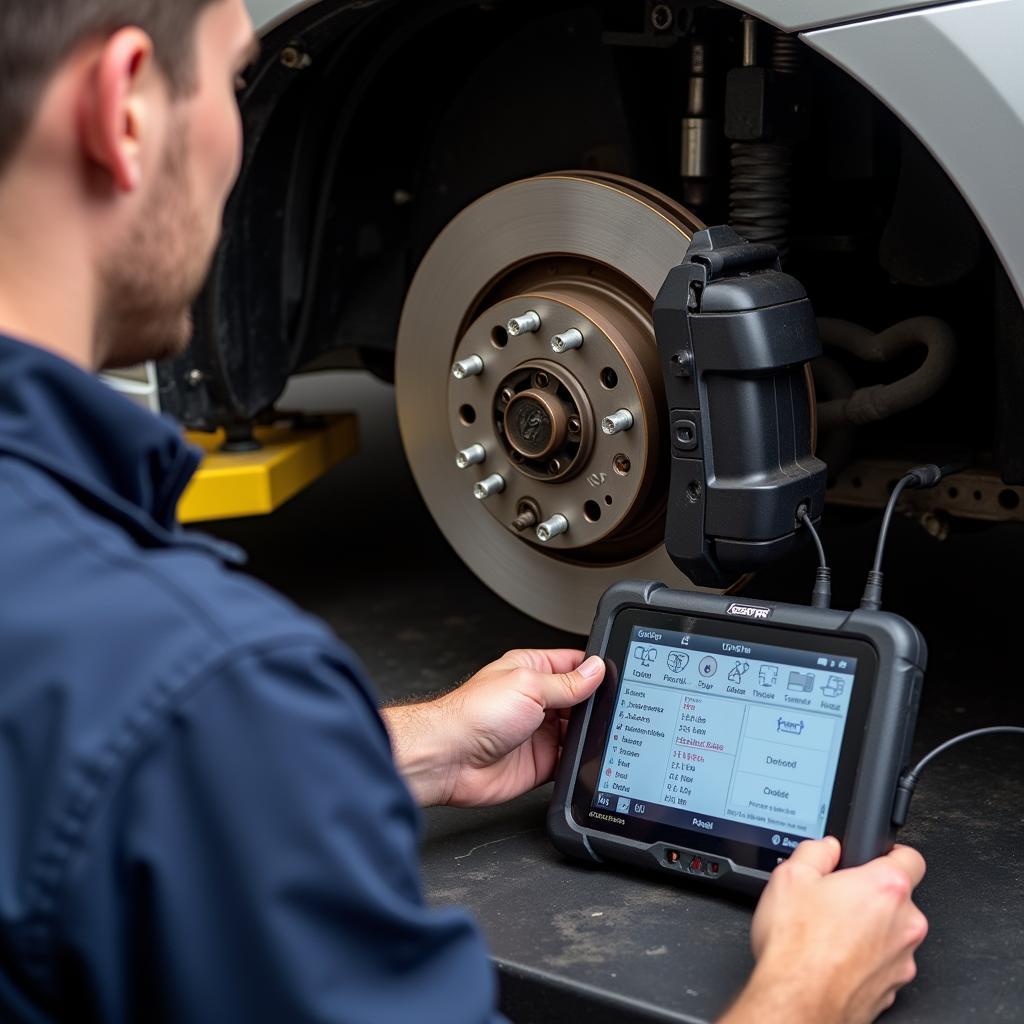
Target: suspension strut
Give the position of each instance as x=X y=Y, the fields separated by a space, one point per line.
x=762 y=120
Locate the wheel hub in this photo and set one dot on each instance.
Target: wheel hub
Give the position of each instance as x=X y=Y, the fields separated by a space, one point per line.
x=541 y=427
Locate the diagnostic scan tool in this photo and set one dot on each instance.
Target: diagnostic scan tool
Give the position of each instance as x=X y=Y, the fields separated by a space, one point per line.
x=727 y=731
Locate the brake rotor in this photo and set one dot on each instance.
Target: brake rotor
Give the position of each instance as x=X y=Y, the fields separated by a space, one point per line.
x=560 y=421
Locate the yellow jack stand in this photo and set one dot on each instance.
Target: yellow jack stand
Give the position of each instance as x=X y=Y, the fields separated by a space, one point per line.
x=234 y=485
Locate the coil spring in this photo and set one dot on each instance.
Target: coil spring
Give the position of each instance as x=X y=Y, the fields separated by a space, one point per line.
x=759 y=196
x=760 y=193
x=785 y=53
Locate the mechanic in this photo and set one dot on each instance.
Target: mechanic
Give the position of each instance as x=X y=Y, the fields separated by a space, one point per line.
x=203 y=815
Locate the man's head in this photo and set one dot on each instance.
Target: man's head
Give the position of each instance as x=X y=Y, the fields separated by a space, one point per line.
x=120 y=118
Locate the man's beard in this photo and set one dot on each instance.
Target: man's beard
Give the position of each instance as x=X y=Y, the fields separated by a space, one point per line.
x=151 y=282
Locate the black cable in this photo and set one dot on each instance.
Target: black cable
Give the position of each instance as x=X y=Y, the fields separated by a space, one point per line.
x=909 y=780
x=910 y=480
x=805 y=518
x=921 y=476
x=821 y=595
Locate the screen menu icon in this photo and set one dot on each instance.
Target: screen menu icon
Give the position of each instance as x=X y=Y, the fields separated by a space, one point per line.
x=802 y=682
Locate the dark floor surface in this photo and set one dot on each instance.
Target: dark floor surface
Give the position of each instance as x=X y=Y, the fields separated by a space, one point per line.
x=572 y=943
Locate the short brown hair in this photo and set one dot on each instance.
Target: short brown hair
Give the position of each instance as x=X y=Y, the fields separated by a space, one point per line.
x=36 y=36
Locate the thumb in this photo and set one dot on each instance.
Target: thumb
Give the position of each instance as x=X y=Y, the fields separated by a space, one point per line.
x=567 y=689
x=820 y=855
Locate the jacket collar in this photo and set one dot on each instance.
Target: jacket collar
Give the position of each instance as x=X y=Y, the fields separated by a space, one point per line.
x=116 y=457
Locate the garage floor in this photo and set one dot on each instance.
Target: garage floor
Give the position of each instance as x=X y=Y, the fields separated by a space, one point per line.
x=360 y=550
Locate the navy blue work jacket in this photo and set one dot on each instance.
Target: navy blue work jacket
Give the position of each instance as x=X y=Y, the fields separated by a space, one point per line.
x=200 y=818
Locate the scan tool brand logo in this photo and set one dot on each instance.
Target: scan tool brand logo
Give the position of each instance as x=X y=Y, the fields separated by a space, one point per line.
x=749 y=611
x=606 y=817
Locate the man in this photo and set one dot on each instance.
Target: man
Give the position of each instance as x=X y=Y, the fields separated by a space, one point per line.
x=201 y=814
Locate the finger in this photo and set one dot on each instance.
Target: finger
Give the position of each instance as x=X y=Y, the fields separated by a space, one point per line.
x=560 y=660
x=546 y=743
x=909 y=861
x=564 y=689
x=820 y=855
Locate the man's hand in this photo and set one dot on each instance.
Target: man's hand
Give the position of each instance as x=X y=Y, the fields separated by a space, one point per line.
x=833 y=947
x=496 y=736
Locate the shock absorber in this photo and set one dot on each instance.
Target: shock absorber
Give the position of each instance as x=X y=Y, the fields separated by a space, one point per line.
x=697 y=167
x=761 y=122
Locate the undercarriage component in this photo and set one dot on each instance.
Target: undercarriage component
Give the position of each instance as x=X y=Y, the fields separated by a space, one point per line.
x=976 y=493
x=762 y=118
x=879 y=402
x=530 y=263
x=697 y=166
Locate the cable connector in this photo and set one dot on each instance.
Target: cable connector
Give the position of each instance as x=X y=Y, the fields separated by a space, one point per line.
x=901 y=803
x=920 y=476
x=908 y=780
x=872 y=598
x=929 y=475
x=821 y=594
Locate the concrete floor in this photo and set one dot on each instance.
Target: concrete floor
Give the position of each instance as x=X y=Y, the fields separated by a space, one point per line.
x=360 y=550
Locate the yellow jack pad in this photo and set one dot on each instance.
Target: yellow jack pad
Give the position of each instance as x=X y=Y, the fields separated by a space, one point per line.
x=233 y=485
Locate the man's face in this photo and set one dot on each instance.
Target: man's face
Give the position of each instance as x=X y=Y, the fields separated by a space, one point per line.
x=152 y=278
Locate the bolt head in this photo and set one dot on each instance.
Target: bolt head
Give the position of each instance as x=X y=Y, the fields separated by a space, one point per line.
x=571 y=339
x=525 y=324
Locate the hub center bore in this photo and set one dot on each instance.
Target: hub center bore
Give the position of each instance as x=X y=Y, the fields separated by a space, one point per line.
x=543 y=420
x=536 y=424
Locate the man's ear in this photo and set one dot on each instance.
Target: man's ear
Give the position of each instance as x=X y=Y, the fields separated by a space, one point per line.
x=118 y=106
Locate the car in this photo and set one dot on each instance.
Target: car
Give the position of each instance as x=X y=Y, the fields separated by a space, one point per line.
x=479 y=201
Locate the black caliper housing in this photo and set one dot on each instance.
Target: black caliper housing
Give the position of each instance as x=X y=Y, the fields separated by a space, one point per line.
x=735 y=334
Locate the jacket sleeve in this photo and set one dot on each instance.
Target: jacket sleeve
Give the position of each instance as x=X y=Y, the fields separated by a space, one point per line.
x=260 y=863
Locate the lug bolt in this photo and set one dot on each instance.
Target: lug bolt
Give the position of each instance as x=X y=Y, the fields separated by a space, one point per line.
x=574 y=424
x=469 y=367
x=617 y=422
x=507 y=394
x=552 y=527
x=494 y=484
x=565 y=342
x=471 y=456
x=528 y=323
